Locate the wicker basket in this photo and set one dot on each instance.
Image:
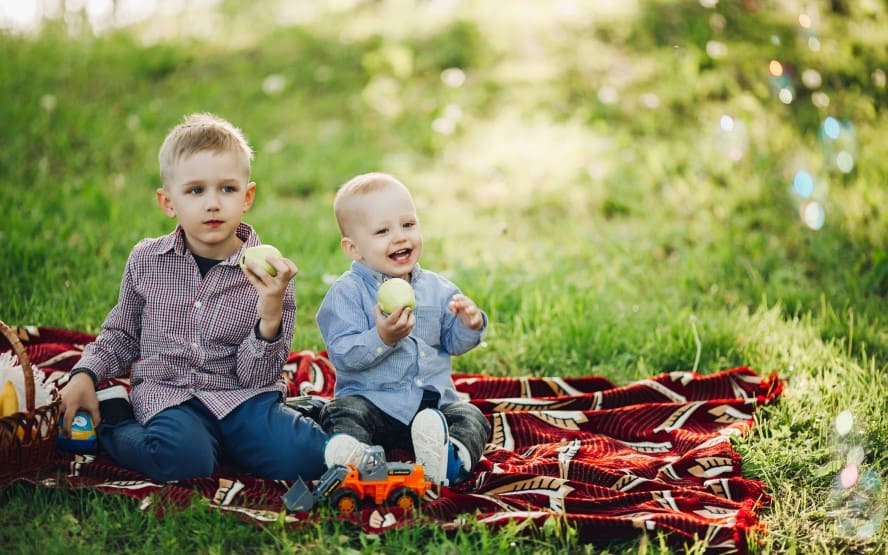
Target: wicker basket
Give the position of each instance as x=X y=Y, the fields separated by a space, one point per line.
x=27 y=439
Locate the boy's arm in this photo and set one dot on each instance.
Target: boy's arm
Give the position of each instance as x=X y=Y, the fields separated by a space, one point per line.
x=264 y=352
x=350 y=336
x=463 y=326
x=117 y=347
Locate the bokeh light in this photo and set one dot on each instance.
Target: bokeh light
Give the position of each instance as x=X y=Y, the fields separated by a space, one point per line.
x=803 y=184
x=733 y=138
x=812 y=213
x=838 y=139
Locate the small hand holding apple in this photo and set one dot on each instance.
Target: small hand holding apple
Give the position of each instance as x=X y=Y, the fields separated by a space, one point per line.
x=269 y=272
x=395 y=326
x=467 y=311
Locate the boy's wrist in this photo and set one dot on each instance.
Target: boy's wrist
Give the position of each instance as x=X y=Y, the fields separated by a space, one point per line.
x=267 y=331
x=88 y=372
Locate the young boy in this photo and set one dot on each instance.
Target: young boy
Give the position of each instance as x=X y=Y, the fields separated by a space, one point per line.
x=204 y=340
x=393 y=370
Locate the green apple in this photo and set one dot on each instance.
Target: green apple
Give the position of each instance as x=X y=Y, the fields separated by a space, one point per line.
x=258 y=254
x=395 y=293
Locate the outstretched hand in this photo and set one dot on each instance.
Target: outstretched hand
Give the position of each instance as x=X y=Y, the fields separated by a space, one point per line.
x=395 y=326
x=467 y=311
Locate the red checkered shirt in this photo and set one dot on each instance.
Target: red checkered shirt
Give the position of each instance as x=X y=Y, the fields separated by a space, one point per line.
x=182 y=336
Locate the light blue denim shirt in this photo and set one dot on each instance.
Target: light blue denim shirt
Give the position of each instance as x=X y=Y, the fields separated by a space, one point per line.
x=393 y=378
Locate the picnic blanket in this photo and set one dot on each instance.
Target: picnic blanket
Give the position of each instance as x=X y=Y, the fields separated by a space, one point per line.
x=611 y=461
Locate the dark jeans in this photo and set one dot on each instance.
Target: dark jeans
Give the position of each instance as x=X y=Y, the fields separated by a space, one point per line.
x=364 y=421
x=262 y=436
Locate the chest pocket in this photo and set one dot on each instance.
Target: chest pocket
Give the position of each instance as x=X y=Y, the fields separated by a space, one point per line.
x=428 y=325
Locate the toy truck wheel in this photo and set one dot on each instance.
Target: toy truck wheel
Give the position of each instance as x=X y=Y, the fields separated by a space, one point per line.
x=345 y=500
x=403 y=498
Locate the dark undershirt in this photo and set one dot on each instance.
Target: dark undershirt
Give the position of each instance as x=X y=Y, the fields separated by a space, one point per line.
x=204 y=264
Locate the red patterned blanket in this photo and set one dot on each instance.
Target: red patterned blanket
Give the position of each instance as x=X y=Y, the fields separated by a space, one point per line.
x=613 y=462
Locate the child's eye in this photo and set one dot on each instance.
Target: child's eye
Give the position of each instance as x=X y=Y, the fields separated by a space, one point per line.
x=408 y=225
x=382 y=231
x=194 y=191
x=229 y=189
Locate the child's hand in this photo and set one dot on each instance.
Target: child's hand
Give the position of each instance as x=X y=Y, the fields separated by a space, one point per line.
x=395 y=326
x=467 y=311
x=270 y=307
x=79 y=395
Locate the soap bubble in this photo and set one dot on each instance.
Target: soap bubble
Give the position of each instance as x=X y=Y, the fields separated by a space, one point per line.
x=854 y=504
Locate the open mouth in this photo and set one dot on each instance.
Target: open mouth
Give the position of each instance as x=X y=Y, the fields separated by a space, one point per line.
x=402 y=255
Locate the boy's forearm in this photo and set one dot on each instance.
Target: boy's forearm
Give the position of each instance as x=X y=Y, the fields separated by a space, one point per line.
x=271 y=313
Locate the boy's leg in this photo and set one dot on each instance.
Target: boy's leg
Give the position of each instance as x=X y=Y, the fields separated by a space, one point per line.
x=357 y=417
x=176 y=444
x=271 y=440
x=469 y=431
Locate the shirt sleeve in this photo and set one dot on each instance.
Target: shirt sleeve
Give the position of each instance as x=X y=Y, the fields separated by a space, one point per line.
x=259 y=360
x=116 y=348
x=349 y=332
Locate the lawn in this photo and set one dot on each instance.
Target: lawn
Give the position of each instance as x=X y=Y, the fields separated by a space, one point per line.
x=627 y=188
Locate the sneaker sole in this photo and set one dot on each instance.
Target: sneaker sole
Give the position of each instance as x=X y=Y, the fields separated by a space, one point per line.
x=431 y=444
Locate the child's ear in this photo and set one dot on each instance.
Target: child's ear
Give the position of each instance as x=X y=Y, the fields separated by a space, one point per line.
x=350 y=249
x=163 y=200
x=250 y=196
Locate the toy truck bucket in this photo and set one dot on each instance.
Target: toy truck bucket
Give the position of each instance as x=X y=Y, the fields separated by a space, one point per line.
x=298 y=497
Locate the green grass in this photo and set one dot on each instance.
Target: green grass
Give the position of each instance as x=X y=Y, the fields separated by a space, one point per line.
x=585 y=199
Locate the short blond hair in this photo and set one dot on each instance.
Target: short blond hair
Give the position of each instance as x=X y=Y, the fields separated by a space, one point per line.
x=358 y=186
x=200 y=132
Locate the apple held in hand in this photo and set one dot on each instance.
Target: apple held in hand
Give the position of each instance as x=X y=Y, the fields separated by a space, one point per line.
x=395 y=293
x=258 y=254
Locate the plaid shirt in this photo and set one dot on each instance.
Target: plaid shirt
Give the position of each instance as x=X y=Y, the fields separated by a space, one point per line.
x=182 y=336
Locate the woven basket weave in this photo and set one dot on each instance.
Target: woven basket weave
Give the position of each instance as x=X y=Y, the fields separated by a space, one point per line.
x=28 y=438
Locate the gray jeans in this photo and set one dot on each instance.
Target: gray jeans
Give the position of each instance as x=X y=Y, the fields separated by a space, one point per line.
x=364 y=421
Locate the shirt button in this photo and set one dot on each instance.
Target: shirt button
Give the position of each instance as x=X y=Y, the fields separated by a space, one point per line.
x=421 y=354
x=197 y=304
x=193 y=370
x=378 y=350
x=195 y=347
x=191 y=390
x=419 y=382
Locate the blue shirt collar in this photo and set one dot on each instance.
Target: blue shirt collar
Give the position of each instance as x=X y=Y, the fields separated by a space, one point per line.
x=368 y=273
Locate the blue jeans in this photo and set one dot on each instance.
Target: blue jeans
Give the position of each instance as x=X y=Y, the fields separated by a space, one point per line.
x=261 y=436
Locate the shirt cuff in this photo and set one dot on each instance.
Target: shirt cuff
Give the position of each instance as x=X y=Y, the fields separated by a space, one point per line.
x=259 y=335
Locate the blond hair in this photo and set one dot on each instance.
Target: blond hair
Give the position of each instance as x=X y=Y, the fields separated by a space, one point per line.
x=358 y=186
x=198 y=133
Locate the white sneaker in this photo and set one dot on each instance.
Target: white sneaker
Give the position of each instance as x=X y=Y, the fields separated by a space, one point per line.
x=343 y=449
x=432 y=447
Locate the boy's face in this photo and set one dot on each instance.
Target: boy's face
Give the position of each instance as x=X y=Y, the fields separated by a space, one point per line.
x=208 y=192
x=383 y=232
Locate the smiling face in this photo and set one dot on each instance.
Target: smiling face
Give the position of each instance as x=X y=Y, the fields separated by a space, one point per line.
x=208 y=192
x=381 y=230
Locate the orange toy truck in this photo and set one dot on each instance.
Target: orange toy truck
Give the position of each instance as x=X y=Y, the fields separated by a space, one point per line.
x=345 y=487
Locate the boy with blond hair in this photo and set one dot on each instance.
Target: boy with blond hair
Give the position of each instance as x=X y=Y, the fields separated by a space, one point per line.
x=203 y=340
x=393 y=371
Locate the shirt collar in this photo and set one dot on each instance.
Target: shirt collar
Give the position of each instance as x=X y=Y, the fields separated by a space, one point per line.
x=175 y=242
x=378 y=277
